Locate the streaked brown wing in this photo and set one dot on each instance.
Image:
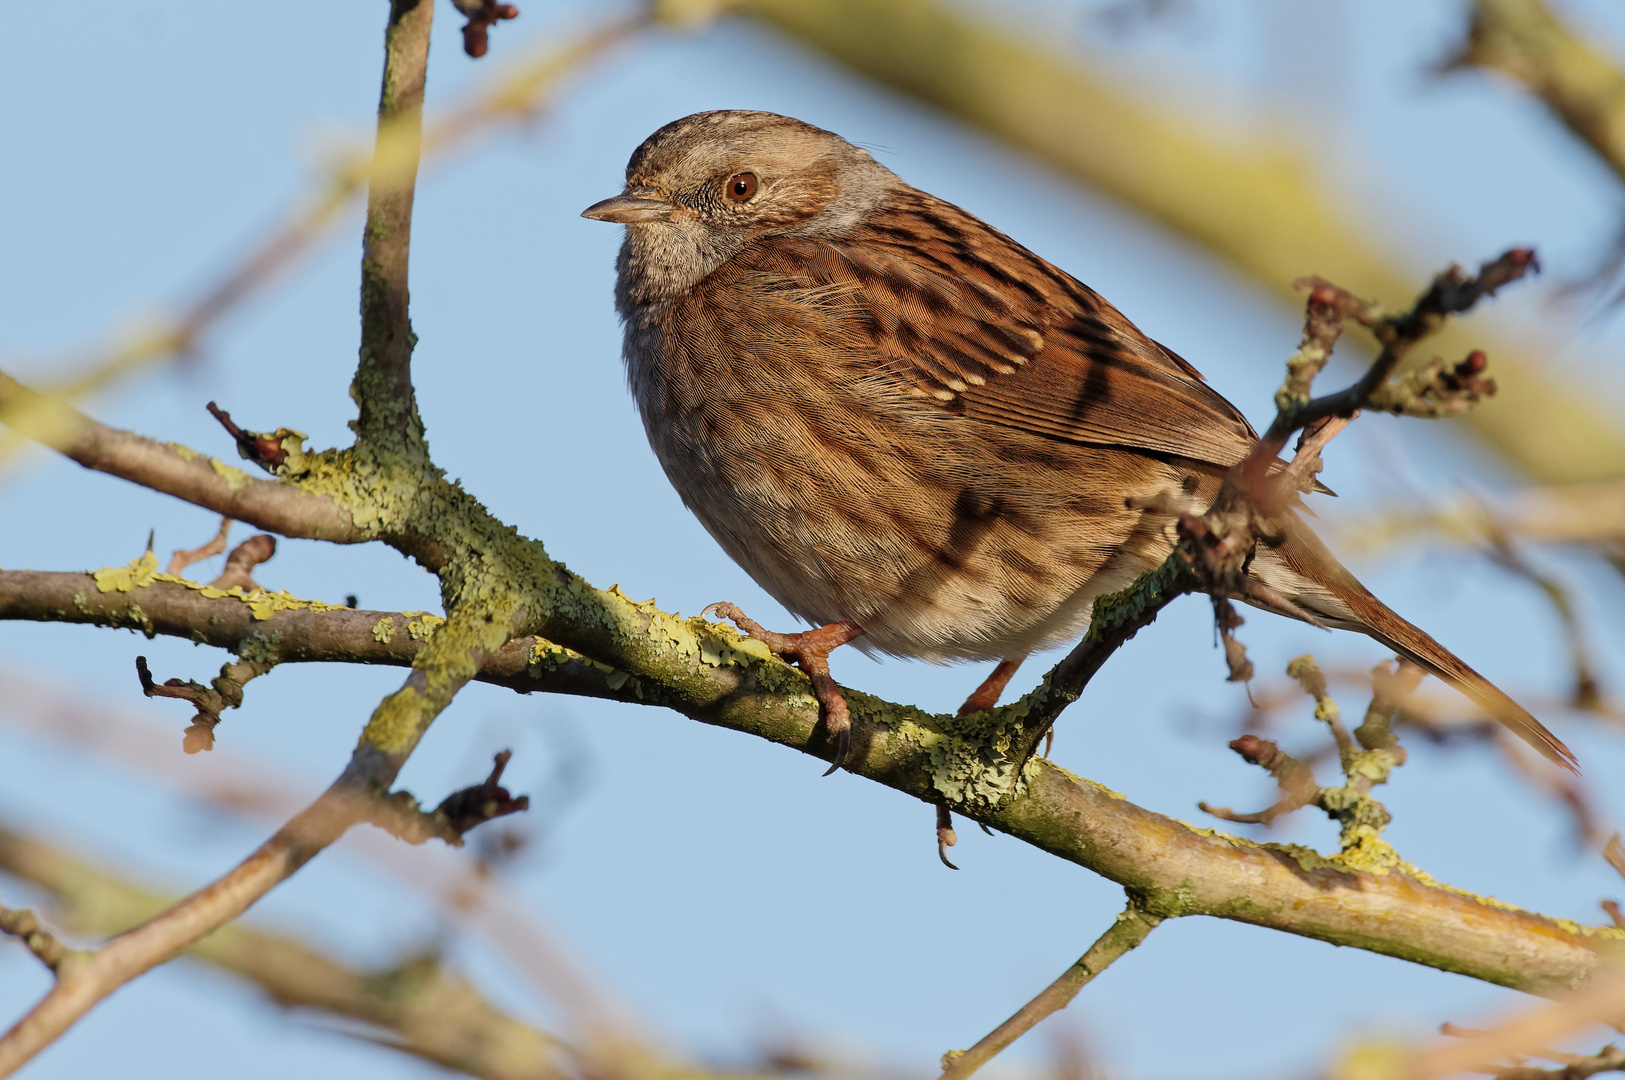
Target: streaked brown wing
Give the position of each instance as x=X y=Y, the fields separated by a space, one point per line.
x=965 y=316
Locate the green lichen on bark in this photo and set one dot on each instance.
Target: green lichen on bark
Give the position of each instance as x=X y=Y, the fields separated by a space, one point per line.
x=1148 y=592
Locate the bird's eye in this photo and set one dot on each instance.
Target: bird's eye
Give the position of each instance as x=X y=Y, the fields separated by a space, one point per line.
x=741 y=186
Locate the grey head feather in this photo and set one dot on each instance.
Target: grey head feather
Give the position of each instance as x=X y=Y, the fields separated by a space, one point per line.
x=811 y=182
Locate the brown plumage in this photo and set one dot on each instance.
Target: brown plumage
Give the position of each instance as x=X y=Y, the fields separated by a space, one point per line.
x=898 y=419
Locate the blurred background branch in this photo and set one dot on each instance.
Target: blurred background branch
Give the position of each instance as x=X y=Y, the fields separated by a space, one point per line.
x=1256 y=199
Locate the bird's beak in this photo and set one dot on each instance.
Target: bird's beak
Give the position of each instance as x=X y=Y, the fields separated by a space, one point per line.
x=632 y=205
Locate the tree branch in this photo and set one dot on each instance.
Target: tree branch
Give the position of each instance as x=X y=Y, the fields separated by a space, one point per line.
x=383 y=379
x=709 y=673
x=176 y=470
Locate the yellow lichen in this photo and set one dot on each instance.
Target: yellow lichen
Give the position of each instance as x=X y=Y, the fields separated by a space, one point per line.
x=235 y=479
x=143 y=571
x=138 y=574
x=423 y=627
x=383 y=631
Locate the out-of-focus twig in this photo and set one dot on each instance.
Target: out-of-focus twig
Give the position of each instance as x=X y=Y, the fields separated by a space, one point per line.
x=180 y=560
x=1524 y=41
x=515 y=94
x=1592 y=514
x=237 y=787
x=1525 y=1033
x=429 y=1012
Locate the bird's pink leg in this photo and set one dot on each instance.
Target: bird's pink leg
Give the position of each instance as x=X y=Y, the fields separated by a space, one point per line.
x=987 y=695
x=810 y=650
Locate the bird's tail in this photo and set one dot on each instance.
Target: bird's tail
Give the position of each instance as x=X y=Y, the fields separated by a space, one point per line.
x=1303 y=570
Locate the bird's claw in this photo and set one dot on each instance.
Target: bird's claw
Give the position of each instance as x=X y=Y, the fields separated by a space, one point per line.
x=945 y=834
x=809 y=650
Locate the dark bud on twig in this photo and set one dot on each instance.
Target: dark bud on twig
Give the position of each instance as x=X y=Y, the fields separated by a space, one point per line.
x=254 y=446
x=482 y=15
x=463 y=810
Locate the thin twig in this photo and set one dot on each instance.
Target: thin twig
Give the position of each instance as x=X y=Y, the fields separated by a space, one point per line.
x=180 y=560
x=26 y=927
x=1125 y=934
x=175 y=470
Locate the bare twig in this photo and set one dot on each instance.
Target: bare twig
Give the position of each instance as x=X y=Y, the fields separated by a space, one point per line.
x=26 y=927
x=175 y=470
x=1125 y=934
x=1586 y=693
x=180 y=560
x=1295 y=779
x=1602 y=1001
x=240 y=564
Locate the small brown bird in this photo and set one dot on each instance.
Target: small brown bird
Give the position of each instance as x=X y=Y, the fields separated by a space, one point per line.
x=912 y=431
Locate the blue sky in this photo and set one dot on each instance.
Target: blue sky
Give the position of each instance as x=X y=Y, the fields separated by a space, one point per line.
x=718 y=886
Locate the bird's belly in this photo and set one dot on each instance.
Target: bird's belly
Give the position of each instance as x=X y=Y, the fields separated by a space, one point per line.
x=941 y=543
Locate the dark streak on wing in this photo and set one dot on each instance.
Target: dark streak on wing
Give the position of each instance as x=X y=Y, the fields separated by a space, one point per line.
x=970 y=319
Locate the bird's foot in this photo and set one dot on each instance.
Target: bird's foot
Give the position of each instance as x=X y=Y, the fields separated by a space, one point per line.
x=810 y=650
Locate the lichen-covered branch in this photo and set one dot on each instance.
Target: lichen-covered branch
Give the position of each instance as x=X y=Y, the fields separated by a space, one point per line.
x=708 y=672
x=278 y=628
x=433 y=1014
x=383 y=379
x=499 y=585
x=1253 y=199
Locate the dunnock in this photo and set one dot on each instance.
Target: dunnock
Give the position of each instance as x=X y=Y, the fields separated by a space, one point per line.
x=909 y=429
